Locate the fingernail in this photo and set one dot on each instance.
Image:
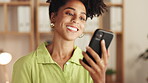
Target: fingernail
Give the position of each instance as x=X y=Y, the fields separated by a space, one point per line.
x=103 y=41
x=87 y=47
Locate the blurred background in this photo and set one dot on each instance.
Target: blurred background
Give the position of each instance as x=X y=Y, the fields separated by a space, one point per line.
x=24 y=24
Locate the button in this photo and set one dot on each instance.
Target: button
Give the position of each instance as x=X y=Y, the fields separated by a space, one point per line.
x=67 y=63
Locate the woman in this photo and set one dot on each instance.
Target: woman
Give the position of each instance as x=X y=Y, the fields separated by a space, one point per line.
x=60 y=61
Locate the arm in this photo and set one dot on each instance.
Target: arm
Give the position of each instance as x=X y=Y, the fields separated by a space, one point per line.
x=98 y=69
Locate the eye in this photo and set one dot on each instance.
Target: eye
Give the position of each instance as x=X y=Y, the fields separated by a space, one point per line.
x=82 y=18
x=68 y=13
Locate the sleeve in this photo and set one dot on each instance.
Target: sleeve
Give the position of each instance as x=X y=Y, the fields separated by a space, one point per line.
x=21 y=72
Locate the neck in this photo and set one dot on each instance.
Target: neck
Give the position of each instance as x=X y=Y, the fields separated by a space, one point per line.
x=61 y=50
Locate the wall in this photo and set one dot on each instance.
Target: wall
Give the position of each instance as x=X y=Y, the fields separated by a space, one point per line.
x=17 y=46
x=136 y=41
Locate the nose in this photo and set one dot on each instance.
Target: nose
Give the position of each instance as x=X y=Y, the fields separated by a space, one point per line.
x=75 y=19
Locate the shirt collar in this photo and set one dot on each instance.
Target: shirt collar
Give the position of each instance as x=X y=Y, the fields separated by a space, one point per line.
x=43 y=56
x=76 y=56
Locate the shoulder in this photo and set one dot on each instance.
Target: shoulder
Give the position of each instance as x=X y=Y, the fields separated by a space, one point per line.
x=25 y=60
x=78 y=51
x=31 y=58
x=22 y=69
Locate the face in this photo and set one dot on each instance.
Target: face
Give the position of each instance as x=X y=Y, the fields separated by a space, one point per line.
x=70 y=20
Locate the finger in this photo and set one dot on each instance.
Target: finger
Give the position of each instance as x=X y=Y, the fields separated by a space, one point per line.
x=94 y=54
x=104 y=52
x=86 y=66
x=98 y=60
x=90 y=61
x=101 y=64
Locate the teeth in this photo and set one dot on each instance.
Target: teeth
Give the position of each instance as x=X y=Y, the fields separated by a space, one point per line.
x=71 y=28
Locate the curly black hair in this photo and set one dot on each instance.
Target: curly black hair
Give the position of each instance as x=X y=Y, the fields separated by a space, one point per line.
x=93 y=7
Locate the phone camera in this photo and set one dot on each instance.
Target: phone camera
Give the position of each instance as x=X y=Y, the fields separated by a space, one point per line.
x=99 y=36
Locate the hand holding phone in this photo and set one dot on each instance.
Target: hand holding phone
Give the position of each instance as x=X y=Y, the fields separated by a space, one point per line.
x=95 y=42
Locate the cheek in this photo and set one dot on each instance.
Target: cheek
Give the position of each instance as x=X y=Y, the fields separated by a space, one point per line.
x=63 y=19
x=83 y=26
x=82 y=29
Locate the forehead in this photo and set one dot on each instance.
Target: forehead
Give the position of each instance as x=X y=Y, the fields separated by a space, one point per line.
x=76 y=4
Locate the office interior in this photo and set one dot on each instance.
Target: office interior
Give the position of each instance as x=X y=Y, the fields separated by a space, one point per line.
x=24 y=24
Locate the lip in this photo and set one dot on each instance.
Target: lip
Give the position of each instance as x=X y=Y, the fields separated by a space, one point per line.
x=72 y=27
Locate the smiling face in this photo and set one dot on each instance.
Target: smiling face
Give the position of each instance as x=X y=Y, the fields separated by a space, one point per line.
x=69 y=21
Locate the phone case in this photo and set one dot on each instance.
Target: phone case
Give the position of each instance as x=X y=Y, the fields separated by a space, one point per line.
x=95 y=42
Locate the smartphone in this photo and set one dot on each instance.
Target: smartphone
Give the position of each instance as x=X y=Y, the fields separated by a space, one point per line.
x=95 y=42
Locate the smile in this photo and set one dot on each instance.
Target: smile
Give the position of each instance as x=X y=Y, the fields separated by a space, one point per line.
x=72 y=28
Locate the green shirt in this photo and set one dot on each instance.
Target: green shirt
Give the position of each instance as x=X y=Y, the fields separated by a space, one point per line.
x=39 y=67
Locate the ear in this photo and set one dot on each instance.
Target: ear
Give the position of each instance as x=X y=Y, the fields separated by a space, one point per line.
x=52 y=17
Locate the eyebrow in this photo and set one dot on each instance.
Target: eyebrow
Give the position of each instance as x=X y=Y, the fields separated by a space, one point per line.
x=74 y=10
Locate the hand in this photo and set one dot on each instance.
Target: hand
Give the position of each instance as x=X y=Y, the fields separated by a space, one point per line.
x=98 y=69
